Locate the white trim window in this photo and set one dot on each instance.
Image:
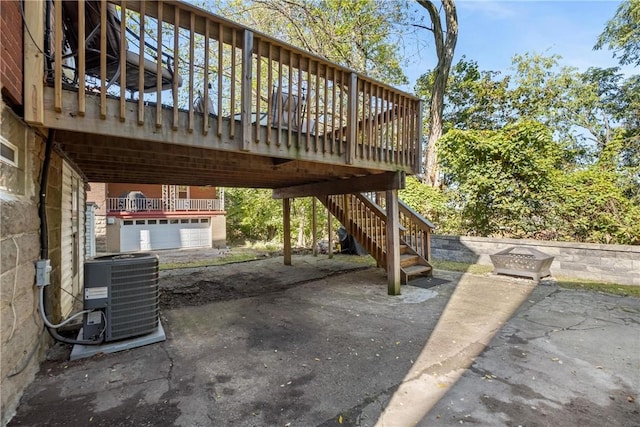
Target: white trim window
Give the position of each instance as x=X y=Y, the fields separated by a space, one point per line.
x=8 y=152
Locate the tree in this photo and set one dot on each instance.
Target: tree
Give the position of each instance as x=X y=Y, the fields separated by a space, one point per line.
x=445 y=42
x=502 y=177
x=358 y=34
x=622 y=33
x=475 y=99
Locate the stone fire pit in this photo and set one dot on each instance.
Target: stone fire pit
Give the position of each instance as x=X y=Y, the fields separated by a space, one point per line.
x=522 y=261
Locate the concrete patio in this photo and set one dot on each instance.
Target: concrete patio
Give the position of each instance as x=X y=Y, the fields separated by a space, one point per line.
x=321 y=344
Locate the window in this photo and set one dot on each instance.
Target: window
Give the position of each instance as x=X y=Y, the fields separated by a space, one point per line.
x=151 y=221
x=140 y=221
x=183 y=191
x=164 y=221
x=204 y=220
x=14 y=143
x=127 y=222
x=173 y=221
x=184 y=221
x=8 y=152
x=194 y=221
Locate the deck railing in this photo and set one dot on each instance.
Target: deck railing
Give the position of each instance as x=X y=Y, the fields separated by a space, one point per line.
x=263 y=92
x=121 y=204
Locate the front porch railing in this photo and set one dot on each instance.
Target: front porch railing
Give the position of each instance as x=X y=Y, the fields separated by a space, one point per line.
x=116 y=204
x=128 y=60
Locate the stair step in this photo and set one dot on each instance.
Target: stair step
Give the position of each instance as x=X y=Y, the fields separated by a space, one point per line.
x=408 y=260
x=404 y=249
x=414 y=270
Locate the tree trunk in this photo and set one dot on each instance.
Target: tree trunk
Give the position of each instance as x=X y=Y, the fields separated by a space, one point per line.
x=445 y=47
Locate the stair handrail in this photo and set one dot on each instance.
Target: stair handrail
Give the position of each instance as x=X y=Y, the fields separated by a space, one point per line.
x=420 y=220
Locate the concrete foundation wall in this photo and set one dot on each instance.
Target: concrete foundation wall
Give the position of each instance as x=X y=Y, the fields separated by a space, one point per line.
x=607 y=263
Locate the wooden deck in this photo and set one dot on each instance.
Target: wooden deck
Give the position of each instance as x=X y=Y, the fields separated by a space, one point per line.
x=275 y=116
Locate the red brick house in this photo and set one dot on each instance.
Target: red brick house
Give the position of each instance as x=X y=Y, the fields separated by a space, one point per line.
x=139 y=217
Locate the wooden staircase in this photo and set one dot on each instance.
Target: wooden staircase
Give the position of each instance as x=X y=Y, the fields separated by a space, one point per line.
x=365 y=220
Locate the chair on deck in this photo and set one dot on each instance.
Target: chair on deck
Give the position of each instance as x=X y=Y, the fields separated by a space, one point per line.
x=92 y=49
x=280 y=108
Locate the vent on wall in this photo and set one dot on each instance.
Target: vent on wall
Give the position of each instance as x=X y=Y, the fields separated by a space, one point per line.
x=125 y=290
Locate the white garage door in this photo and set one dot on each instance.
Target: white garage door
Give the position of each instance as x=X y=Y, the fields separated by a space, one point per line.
x=153 y=234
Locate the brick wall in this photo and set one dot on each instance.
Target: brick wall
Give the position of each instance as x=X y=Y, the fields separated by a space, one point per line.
x=607 y=263
x=97 y=193
x=11 y=51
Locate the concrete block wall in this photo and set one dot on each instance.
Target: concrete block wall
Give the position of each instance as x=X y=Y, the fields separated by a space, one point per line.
x=607 y=263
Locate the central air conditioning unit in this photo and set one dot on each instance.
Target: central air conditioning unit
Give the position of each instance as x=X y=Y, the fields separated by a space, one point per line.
x=122 y=290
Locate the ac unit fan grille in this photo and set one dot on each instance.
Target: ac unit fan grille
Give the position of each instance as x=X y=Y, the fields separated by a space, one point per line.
x=133 y=309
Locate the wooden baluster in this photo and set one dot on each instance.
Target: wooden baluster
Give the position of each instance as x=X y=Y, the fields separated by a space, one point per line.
x=220 y=79
x=245 y=90
x=309 y=116
x=232 y=114
x=324 y=117
x=205 y=80
x=140 y=67
x=176 y=58
x=301 y=102
x=290 y=121
x=280 y=110
x=258 y=43
x=418 y=166
x=269 y=94
x=159 y=68
x=333 y=111
x=192 y=29
x=352 y=118
x=342 y=121
x=316 y=127
x=81 y=58
x=103 y=58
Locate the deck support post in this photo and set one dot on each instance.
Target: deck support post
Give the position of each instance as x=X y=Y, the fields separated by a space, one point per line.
x=314 y=226
x=330 y=232
x=393 y=243
x=34 y=62
x=286 y=217
x=245 y=91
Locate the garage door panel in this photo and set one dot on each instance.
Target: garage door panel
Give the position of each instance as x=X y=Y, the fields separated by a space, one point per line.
x=165 y=236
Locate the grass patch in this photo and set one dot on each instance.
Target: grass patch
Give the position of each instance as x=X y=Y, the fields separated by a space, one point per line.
x=462 y=267
x=563 y=282
x=589 y=285
x=227 y=259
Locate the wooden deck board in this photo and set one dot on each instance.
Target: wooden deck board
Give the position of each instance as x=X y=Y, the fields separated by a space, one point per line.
x=110 y=150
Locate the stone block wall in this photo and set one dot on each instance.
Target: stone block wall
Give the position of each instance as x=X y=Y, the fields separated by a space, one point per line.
x=606 y=263
x=23 y=340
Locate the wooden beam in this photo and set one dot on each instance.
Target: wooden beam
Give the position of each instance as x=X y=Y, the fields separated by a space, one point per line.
x=286 y=217
x=34 y=62
x=379 y=182
x=393 y=243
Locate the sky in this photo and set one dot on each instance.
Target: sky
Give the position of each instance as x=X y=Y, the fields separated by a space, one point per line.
x=491 y=32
